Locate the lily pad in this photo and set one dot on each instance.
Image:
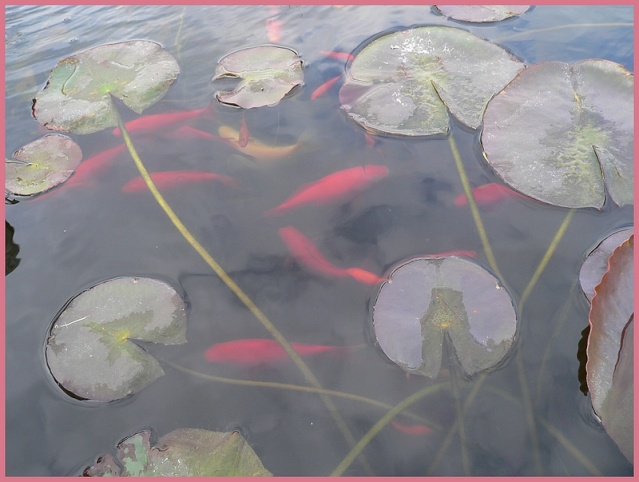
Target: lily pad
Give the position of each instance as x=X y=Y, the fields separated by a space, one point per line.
x=596 y=263
x=41 y=165
x=564 y=133
x=609 y=366
x=89 y=352
x=481 y=13
x=404 y=82
x=268 y=73
x=427 y=299
x=77 y=96
x=183 y=452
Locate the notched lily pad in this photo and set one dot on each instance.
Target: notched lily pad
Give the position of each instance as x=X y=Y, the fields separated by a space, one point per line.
x=481 y=13
x=89 y=352
x=404 y=82
x=77 y=96
x=183 y=452
x=428 y=299
x=41 y=165
x=267 y=72
x=564 y=133
x=609 y=369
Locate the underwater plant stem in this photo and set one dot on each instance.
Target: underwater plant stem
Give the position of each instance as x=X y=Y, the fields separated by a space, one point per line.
x=310 y=377
x=528 y=409
x=460 y=418
x=473 y=206
x=381 y=423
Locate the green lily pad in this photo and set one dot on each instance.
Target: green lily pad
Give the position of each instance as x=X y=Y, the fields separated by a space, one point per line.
x=183 y=452
x=41 y=165
x=564 y=133
x=268 y=74
x=77 y=96
x=481 y=13
x=89 y=352
x=609 y=366
x=596 y=263
x=404 y=82
x=428 y=299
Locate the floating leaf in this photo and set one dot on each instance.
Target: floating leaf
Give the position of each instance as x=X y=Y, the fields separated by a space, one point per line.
x=403 y=82
x=89 y=351
x=563 y=133
x=481 y=13
x=611 y=311
x=268 y=73
x=183 y=452
x=77 y=96
x=596 y=264
x=41 y=165
x=427 y=298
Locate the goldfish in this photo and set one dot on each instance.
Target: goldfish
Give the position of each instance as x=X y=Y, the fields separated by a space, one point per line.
x=255 y=148
x=364 y=276
x=243 y=136
x=412 y=429
x=263 y=351
x=274 y=29
x=338 y=55
x=322 y=89
x=151 y=124
x=487 y=194
x=334 y=187
x=168 y=179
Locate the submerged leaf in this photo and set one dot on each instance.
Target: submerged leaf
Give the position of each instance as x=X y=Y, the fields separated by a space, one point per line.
x=41 y=165
x=89 y=352
x=268 y=73
x=77 y=96
x=564 y=133
x=428 y=299
x=404 y=82
x=481 y=13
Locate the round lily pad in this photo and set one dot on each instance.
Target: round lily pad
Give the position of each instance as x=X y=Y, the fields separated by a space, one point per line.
x=426 y=298
x=267 y=72
x=41 y=165
x=564 y=133
x=405 y=82
x=77 y=96
x=89 y=352
x=481 y=13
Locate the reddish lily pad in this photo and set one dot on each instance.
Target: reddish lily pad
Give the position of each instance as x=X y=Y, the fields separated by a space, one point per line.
x=429 y=299
x=268 y=73
x=77 y=96
x=405 y=82
x=41 y=165
x=564 y=133
x=481 y=13
x=89 y=352
x=183 y=452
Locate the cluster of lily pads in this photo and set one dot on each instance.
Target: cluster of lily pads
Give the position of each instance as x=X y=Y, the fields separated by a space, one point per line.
x=558 y=133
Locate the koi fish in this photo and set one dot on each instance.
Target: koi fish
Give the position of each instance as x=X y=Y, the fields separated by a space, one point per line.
x=345 y=56
x=412 y=429
x=369 y=139
x=261 y=351
x=488 y=194
x=255 y=148
x=364 y=276
x=168 y=179
x=458 y=252
x=274 y=29
x=322 y=89
x=151 y=124
x=243 y=136
x=334 y=187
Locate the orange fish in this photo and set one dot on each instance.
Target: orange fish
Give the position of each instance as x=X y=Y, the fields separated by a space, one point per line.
x=364 y=276
x=488 y=194
x=338 y=55
x=263 y=351
x=322 y=89
x=151 y=124
x=168 y=179
x=412 y=429
x=334 y=187
x=274 y=29
x=243 y=138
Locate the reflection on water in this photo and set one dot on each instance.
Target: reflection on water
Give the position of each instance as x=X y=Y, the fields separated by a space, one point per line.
x=79 y=237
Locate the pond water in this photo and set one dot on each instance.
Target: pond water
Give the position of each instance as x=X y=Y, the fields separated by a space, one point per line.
x=528 y=417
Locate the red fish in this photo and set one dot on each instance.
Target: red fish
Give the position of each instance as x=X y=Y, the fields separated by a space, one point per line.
x=322 y=89
x=274 y=29
x=243 y=138
x=488 y=194
x=369 y=139
x=168 y=179
x=412 y=429
x=307 y=254
x=338 y=55
x=151 y=124
x=334 y=187
x=364 y=276
x=262 y=351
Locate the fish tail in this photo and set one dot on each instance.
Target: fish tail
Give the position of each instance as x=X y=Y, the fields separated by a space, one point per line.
x=364 y=276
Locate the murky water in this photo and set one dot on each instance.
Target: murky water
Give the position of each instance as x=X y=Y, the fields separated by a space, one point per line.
x=77 y=238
